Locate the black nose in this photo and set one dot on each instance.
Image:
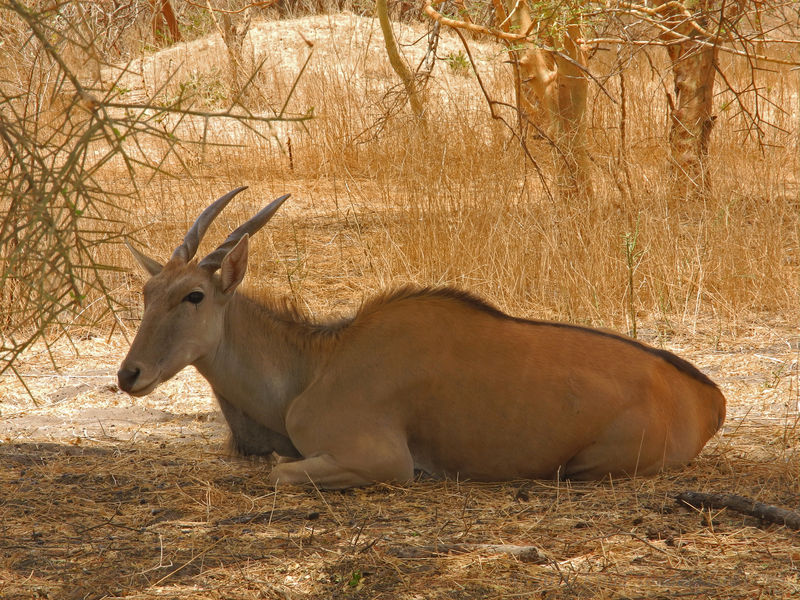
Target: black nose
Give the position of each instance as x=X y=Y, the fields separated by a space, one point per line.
x=126 y=378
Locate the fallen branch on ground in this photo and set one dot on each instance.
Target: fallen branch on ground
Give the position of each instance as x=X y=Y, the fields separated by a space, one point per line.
x=530 y=554
x=765 y=512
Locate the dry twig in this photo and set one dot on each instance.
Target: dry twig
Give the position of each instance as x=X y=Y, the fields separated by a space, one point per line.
x=765 y=512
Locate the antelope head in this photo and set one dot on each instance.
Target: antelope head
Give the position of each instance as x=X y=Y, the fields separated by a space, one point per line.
x=185 y=300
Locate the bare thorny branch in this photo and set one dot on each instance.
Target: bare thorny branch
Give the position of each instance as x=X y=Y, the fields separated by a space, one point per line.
x=60 y=206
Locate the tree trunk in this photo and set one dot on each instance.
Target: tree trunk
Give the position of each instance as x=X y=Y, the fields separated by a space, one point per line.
x=398 y=64
x=554 y=88
x=691 y=108
x=234 y=31
x=163 y=8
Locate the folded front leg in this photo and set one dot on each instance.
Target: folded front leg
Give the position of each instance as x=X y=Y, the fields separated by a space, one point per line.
x=326 y=472
x=249 y=437
x=322 y=471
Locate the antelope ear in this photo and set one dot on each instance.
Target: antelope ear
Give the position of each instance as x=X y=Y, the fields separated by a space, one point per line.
x=150 y=265
x=234 y=266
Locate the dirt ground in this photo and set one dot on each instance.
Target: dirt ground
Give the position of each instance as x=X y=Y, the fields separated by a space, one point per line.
x=105 y=496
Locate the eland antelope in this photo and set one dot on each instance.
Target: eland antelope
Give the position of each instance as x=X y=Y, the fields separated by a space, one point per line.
x=433 y=379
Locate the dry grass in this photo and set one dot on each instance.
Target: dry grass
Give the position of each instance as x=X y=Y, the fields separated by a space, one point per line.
x=107 y=498
x=177 y=521
x=454 y=201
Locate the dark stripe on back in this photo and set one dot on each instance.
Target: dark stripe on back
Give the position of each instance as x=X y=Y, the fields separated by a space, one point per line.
x=482 y=305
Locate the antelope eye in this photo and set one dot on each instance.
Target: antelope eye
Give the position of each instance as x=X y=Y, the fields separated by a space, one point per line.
x=194 y=297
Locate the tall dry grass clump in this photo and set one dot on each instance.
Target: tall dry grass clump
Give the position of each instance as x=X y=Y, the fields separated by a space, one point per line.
x=383 y=198
x=454 y=199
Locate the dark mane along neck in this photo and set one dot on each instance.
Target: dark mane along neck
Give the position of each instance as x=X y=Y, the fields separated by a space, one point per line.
x=284 y=314
x=479 y=304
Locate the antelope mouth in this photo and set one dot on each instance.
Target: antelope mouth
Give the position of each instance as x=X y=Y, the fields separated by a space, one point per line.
x=133 y=382
x=142 y=389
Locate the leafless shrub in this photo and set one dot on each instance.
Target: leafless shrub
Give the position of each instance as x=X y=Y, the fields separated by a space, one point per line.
x=62 y=131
